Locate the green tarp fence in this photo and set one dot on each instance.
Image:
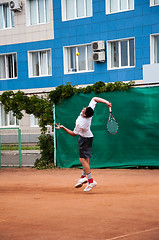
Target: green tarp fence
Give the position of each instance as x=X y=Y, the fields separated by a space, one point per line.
x=135 y=144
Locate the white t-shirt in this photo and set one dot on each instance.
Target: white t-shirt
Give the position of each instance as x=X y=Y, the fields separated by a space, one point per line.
x=83 y=124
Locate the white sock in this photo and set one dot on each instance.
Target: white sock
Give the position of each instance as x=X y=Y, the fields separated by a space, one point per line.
x=89 y=175
x=83 y=173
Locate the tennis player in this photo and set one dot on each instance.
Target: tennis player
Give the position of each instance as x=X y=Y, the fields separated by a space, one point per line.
x=82 y=128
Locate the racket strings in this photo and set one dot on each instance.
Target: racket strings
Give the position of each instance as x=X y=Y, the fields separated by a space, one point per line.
x=112 y=126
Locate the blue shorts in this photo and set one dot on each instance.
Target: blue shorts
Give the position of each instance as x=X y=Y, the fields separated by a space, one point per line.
x=85 y=146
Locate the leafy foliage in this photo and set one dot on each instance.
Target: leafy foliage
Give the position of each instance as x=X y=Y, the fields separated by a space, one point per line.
x=66 y=91
x=61 y=92
x=42 y=107
x=47 y=152
x=19 y=101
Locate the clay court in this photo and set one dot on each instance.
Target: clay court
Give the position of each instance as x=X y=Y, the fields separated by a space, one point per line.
x=44 y=205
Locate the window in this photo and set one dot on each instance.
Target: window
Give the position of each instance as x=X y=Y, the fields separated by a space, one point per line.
x=154 y=2
x=8 y=66
x=113 y=6
x=7 y=120
x=37 y=12
x=6 y=16
x=78 y=63
x=121 y=54
x=40 y=63
x=33 y=121
x=154 y=49
x=73 y=9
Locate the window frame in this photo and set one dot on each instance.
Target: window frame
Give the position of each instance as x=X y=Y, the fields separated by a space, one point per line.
x=66 y=57
x=11 y=25
x=8 y=118
x=30 y=69
x=152 y=3
x=128 y=51
x=28 y=17
x=152 y=48
x=6 y=68
x=33 y=119
x=108 y=10
x=63 y=6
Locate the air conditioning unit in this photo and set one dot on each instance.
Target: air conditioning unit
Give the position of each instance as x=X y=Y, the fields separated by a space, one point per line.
x=99 y=56
x=98 y=46
x=15 y=5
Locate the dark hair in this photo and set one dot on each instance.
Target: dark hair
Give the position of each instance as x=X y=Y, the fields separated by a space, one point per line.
x=89 y=112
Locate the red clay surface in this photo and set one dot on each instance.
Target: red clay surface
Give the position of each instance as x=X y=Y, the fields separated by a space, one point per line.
x=44 y=205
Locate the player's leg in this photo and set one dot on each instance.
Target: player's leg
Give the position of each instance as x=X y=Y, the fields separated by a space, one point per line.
x=86 y=167
x=85 y=164
x=85 y=146
x=83 y=178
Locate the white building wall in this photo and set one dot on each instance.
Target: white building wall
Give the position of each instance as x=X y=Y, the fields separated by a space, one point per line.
x=22 y=33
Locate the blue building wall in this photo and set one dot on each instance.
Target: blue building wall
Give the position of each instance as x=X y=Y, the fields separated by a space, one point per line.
x=138 y=23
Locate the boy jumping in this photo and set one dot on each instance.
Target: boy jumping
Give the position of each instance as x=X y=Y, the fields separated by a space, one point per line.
x=82 y=128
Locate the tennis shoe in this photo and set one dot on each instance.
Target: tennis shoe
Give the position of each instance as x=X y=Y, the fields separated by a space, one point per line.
x=80 y=182
x=90 y=186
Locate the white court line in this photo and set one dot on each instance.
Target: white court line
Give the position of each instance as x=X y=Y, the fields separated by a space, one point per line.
x=135 y=233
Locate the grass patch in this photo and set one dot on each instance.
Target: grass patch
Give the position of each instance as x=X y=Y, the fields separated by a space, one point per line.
x=11 y=147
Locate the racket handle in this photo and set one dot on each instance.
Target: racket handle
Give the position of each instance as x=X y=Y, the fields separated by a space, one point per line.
x=110 y=109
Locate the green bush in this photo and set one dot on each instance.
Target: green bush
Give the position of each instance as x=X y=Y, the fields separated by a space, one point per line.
x=46 y=144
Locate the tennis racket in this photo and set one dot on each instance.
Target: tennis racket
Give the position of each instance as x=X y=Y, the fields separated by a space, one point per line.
x=112 y=125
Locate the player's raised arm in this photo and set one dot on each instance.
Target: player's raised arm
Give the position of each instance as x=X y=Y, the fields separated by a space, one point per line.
x=101 y=100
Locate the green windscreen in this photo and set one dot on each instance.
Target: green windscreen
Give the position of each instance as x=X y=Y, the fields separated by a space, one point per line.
x=137 y=140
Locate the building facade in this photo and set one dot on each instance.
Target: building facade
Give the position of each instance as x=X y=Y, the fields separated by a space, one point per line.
x=46 y=43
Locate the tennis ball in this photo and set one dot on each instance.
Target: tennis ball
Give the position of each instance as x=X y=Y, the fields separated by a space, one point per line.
x=77 y=53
